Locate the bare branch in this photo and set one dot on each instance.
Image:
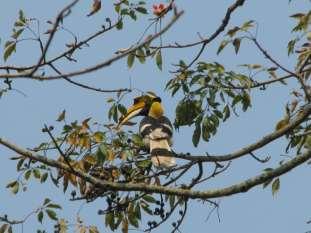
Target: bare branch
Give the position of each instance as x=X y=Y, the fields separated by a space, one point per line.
x=59 y=18
x=65 y=53
x=89 y=87
x=220 y=29
x=298 y=76
x=100 y=65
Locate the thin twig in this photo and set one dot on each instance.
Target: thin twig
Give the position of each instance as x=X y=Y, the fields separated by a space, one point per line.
x=59 y=18
x=89 y=87
x=220 y=29
x=58 y=148
x=100 y=65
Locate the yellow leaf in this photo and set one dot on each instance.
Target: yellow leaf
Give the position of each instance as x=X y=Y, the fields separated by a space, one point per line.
x=85 y=142
x=93 y=229
x=125 y=225
x=282 y=123
x=82 y=229
x=90 y=159
x=72 y=139
x=115 y=173
x=98 y=136
x=62 y=226
x=111 y=155
x=85 y=125
x=95 y=7
x=123 y=155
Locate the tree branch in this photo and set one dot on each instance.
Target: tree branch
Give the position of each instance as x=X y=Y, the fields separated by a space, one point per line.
x=59 y=18
x=243 y=186
x=301 y=117
x=220 y=29
x=65 y=53
x=89 y=87
x=100 y=65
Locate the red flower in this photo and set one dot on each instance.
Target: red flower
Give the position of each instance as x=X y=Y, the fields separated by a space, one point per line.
x=159 y=10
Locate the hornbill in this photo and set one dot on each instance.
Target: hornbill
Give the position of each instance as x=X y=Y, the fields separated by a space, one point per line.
x=155 y=128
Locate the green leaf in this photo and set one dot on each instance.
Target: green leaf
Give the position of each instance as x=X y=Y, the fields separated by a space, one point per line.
x=236 y=99
x=149 y=199
x=133 y=221
x=21 y=16
x=172 y=201
x=236 y=43
x=138 y=140
x=10 y=47
x=205 y=129
x=52 y=214
x=102 y=153
x=36 y=173
x=122 y=109
x=19 y=23
x=233 y=31
x=141 y=55
x=247 y=25
x=218 y=114
x=144 y=164
x=183 y=115
x=130 y=60
x=196 y=134
x=15 y=188
x=275 y=186
x=291 y=46
x=246 y=101
x=17 y=33
x=141 y=10
x=146 y=208
x=109 y=220
x=27 y=174
x=119 y=25
x=226 y=112
x=222 y=45
x=132 y=14
x=54 y=206
x=44 y=177
x=40 y=216
x=117 y=8
x=159 y=59
x=137 y=211
x=62 y=116
x=46 y=201
x=19 y=164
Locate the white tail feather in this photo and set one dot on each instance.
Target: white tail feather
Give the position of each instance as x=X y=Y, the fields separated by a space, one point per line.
x=161 y=161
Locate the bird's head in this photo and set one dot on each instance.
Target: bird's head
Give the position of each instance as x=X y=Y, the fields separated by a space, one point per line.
x=148 y=104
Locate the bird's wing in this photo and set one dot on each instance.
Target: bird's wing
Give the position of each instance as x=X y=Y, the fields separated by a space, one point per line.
x=157 y=134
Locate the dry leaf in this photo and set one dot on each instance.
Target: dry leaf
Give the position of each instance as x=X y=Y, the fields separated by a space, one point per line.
x=95 y=7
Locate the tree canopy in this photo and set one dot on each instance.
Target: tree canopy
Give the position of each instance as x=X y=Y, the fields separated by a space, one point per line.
x=80 y=51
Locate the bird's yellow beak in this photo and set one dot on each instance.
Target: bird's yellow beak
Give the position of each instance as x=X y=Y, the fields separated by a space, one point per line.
x=132 y=111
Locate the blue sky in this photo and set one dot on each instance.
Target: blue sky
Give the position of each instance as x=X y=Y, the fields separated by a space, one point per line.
x=22 y=118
